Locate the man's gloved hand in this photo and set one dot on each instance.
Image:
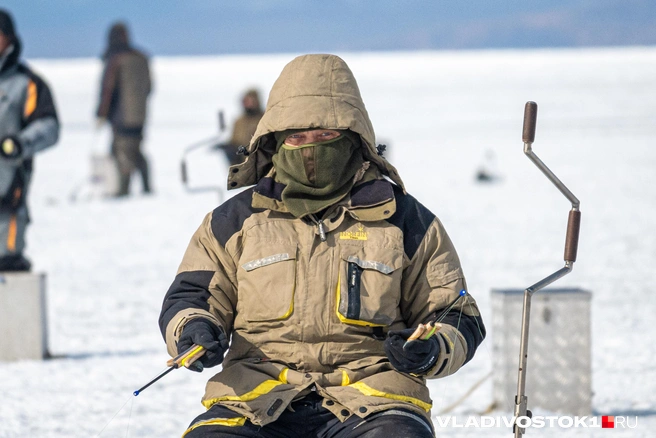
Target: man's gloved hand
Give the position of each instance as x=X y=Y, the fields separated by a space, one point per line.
x=418 y=356
x=10 y=147
x=201 y=332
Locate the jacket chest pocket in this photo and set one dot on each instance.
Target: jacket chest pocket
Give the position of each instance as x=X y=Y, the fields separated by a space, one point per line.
x=267 y=279
x=369 y=286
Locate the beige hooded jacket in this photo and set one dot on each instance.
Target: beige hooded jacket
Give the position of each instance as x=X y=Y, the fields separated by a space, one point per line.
x=307 y=302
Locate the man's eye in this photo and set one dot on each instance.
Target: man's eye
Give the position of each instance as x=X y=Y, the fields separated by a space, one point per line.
x=294 y=138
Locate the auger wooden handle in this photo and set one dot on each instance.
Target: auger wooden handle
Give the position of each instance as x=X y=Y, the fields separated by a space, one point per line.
x=530 y=118
x=572 y=237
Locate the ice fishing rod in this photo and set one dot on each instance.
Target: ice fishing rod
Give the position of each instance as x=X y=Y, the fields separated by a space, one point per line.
x=571 y=247
x=425 y=331
x=184 y=359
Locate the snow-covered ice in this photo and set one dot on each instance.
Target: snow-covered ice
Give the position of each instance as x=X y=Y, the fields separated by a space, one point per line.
x=109 y=262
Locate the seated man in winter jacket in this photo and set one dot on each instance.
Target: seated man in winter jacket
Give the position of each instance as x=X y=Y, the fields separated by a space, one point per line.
x=28 y=124
x=318 y=275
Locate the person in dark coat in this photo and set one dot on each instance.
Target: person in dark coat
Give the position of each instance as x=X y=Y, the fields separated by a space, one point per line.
x=124 y=93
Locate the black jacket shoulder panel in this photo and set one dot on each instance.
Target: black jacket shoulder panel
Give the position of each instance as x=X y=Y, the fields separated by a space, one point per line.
x=372 y=193
x=229 y=217
x=189 y=290
x=45 y=104
x=412 y=218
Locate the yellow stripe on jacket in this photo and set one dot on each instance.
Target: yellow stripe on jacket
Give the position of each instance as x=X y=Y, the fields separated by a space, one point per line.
x=230 y=422
x=30 y=101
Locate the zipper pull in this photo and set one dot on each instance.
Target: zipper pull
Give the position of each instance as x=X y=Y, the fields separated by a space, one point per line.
x=322 y=232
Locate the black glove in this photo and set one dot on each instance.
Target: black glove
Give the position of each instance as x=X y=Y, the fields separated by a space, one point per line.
x=201 y=332
x=10 y=147
x=418 y=356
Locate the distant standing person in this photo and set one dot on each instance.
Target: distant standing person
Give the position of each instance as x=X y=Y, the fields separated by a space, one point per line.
x=123 y=96
x=28 y=124
x=244 y=127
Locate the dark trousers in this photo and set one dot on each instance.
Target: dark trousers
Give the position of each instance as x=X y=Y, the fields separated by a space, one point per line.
x=310 y=420
x=126 y=149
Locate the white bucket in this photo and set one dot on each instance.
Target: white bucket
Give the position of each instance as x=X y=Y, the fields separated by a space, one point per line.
x=104 y=175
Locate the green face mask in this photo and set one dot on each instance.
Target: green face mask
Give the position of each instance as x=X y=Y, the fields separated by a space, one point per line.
x=317 y=175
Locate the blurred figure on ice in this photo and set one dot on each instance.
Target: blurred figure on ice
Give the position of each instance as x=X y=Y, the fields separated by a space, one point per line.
x=315 y=278
x=487 y=172
x=28 y=124
x=124 y=93
x=244 y=127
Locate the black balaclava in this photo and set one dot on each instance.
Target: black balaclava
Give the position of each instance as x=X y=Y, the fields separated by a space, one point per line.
x=9 y=30
x=7 y=25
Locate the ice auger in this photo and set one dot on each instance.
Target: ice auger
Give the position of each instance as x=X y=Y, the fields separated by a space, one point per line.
x=571 y=246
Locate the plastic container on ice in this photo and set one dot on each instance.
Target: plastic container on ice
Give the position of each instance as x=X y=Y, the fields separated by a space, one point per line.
x=559 y=373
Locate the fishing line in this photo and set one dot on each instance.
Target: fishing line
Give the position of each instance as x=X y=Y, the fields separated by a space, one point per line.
x=453 y=352
x=114 y=416
x=509 y=404
x=184 y=359
x=127 y=431
x=134 y=394
x=479 y=382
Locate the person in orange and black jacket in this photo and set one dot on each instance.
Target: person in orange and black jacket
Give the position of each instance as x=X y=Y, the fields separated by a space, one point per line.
x=123 y=102
x=28 y=124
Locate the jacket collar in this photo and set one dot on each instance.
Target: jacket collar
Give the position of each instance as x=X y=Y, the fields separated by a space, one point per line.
x=9 y=58
x=371 y=199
